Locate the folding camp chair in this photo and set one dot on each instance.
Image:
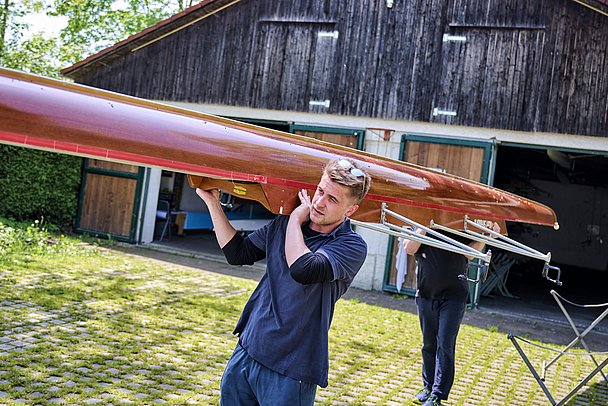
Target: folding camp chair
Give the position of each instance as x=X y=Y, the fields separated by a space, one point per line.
x=580 y=337
x=163 y=213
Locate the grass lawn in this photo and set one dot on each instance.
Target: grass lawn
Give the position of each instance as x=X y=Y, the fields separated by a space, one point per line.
x=84 y=323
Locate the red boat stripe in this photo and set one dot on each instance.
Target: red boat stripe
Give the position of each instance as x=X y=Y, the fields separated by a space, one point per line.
x=203 y=170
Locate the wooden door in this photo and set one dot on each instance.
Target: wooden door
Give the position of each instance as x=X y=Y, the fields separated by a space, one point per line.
x=352 y=138
x=468 y=159
x=109 y=199
x=488 y=77
x=295 y=68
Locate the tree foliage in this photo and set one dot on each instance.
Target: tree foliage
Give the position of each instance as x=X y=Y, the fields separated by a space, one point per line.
x=31 y=54
x=39 y=184
x=95 y=25
x=92 y=25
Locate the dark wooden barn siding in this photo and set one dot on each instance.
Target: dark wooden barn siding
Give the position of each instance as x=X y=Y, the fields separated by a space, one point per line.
x=531 y=65
x=575 y=81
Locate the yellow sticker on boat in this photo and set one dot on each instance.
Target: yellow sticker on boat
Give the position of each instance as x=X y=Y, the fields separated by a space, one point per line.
x=239 y=190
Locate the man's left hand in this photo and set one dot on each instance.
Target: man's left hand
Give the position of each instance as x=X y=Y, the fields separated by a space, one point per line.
x=496 y=229
x=302 y=212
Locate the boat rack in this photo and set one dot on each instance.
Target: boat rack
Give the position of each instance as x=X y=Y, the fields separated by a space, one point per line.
x=472 y=231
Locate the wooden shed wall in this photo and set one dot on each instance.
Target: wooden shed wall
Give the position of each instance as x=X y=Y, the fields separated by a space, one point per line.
x=530 y=65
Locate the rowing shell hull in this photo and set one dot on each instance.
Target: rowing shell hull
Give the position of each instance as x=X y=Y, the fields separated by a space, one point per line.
x=245 y=160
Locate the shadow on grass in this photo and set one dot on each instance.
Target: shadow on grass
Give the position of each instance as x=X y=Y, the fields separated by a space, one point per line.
x=595 y=394
x=507 y=321
x=211 y=263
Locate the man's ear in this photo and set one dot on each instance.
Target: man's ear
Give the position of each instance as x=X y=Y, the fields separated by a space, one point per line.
x=350 y=211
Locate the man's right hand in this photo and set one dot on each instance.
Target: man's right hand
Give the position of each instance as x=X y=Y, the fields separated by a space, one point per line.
x=209 y=196
x=301 y=214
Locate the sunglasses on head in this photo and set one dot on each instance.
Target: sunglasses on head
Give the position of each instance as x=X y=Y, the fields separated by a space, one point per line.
x=356 y=172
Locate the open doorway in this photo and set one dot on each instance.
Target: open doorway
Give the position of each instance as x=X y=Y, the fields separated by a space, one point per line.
x=575 y=185
x=189 y=218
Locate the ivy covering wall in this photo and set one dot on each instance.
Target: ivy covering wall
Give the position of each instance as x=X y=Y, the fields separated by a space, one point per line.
x=39 y=184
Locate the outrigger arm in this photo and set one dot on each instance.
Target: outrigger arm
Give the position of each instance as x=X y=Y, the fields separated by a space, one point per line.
x=500 y=241
x=446 y=243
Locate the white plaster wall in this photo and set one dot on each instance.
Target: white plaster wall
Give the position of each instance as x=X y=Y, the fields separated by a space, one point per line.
x=371 y=275
x=148 y=211
x=584 y=143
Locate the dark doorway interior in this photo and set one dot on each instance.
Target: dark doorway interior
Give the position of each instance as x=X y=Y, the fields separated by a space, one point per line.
x=575 y=185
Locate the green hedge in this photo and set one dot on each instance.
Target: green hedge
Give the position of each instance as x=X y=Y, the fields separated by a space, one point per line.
x=39 y=185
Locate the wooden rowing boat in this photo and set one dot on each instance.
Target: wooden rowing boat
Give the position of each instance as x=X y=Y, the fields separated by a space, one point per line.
x=245 y=160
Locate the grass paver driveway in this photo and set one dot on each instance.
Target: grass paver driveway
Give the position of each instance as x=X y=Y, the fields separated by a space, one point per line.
x=84 y=324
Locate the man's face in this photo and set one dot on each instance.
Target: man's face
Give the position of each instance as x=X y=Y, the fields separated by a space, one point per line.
x=331 y=203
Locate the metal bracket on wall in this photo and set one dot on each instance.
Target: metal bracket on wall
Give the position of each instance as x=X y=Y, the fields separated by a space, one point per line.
x=321 y=103
x=454 y=38
x=330 y=34
x=439 y=112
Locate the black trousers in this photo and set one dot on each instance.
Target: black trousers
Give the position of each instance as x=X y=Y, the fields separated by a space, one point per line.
x=440 y=321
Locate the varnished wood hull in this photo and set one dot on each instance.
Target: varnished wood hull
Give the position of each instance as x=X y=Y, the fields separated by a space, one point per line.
x=248 y=161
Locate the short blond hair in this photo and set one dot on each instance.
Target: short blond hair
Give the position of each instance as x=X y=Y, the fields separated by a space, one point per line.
x=348 y=173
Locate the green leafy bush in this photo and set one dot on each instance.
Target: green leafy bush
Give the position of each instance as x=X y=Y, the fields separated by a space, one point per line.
x=26 y=238
x=39 y=184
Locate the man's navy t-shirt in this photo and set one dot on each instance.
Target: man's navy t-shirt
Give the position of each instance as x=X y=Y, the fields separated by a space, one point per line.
x=284 y=325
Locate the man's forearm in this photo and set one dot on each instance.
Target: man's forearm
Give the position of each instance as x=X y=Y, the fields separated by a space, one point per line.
x=411 y=246
x=222 y=227
x=294 y=241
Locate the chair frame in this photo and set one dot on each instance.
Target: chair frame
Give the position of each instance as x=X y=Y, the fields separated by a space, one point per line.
x=167 y=219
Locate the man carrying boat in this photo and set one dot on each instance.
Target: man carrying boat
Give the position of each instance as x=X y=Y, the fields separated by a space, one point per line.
x=312 y=256
x=441 y=297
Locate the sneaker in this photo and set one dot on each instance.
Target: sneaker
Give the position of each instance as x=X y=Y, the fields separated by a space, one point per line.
x=422 y=396
x=432 y=401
